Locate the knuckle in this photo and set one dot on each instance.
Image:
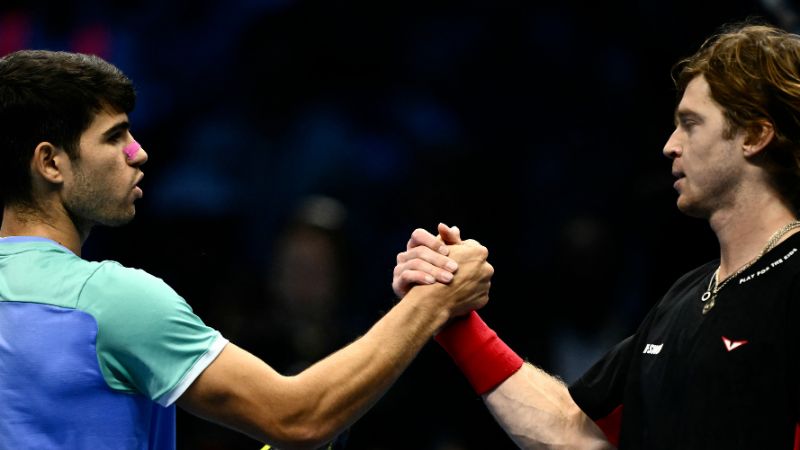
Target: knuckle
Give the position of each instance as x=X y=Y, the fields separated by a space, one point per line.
x=404 y=256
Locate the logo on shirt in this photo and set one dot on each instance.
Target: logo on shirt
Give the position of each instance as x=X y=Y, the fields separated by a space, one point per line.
x=766 y=269
x=652 y=349
x=732 y=345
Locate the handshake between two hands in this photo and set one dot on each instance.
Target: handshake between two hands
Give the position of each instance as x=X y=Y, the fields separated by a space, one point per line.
x=460 y=269
x=446 y=259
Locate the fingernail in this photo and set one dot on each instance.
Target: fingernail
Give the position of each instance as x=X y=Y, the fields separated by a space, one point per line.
x=452 y=266
x=429 y=279
x=444 y=250
x=447 y=277
x=455 y=229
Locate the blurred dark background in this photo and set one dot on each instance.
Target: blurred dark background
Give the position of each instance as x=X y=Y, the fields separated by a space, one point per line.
x=294 y=146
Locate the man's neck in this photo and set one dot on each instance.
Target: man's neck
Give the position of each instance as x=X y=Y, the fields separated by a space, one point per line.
x=26 y=222
x=744 y=230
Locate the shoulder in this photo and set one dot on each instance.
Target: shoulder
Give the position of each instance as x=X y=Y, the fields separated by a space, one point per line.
x=115 y=276
x=111 y=282
x=121 y=298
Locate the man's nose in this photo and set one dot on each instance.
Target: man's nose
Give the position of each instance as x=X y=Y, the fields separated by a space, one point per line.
x=672 y=148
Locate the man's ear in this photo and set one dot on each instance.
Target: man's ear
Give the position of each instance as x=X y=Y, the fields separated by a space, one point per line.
x=48 y=163
x=758 y=137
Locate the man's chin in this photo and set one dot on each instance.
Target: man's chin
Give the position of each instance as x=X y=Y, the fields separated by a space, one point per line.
x=118 y=221
x=691 y=210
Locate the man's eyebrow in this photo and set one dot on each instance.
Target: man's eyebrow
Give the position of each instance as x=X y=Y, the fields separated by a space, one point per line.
x=121 y=126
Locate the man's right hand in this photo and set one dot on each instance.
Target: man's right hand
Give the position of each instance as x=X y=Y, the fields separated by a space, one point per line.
x=425 y=260
x=463 y=268
x=469 y=288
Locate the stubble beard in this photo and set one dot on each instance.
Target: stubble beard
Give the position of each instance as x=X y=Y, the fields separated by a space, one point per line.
x=717 y=196
x=89 y=204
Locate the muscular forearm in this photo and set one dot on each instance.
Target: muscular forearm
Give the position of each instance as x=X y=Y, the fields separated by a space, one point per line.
x=537 y=412
x=306 y=410
x=346 y=384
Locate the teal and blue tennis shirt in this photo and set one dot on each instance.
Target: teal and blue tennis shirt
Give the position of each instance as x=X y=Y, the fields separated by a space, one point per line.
x=93 y=355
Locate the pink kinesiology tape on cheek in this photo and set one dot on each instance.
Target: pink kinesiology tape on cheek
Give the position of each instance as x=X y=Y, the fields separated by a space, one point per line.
x=131 y=149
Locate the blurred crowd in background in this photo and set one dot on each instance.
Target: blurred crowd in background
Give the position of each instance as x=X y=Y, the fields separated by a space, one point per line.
x=295 y=145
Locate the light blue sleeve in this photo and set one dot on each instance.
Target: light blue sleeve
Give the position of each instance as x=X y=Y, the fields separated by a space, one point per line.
x=148 y=339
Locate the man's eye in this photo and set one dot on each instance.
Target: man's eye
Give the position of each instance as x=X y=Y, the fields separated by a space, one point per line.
x=114 y=138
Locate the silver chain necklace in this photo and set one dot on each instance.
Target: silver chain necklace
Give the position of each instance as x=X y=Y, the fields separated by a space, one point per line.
x=714 y=286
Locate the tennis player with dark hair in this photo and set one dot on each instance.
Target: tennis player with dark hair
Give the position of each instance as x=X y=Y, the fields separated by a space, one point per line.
x=94 y=355
x=715 y=364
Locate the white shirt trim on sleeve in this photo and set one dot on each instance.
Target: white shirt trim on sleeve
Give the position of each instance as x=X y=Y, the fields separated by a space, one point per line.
x=199 y=366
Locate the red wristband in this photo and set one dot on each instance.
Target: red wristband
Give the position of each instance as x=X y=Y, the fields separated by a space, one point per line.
x=484 y=359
